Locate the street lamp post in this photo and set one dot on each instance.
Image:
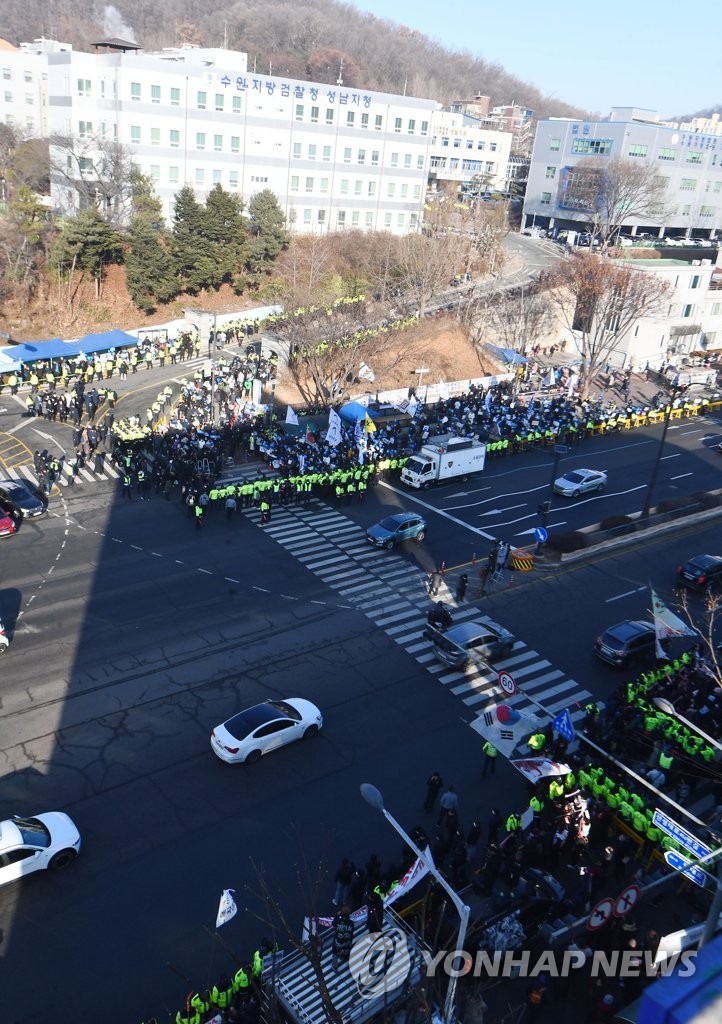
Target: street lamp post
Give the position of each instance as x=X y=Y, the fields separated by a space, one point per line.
x=374 y=797
x=646 y=508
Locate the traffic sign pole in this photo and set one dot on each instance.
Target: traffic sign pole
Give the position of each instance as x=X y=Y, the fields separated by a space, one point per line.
x=507 y=683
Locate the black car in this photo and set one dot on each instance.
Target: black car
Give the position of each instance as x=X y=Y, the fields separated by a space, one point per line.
x=627 y=643
x=24 y=497
x=703 y=572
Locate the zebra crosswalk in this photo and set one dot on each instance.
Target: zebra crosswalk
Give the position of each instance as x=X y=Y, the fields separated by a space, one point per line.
x=83 y=476
x=391 y=592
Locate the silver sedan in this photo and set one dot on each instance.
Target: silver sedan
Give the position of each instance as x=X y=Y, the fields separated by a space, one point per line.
x=580 y=481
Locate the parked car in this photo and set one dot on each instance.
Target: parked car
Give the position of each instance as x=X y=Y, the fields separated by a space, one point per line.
x=397 y=528
x=9 y=518
x=252 y=733
x=482 y=642
x=703 y=572
x=580 y=481
x=48 y=840
x=28 y=501
x=627 y=643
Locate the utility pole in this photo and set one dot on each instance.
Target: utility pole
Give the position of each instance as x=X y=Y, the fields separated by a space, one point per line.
x=646 y=508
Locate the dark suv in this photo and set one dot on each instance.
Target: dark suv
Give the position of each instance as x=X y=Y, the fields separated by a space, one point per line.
x=626 y=643
x=703 y=572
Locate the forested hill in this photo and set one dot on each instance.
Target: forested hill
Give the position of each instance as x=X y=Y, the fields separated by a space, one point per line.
x=306 y=39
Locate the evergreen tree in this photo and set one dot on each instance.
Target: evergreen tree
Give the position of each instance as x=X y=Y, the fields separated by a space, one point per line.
x=268 y=231
x=191 y=263
x=225 y=230
x=149 y=269
x=144 y=202
x=87 y=243
x=31 y=217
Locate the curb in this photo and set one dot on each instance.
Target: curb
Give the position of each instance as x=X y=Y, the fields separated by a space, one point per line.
x=626 y=540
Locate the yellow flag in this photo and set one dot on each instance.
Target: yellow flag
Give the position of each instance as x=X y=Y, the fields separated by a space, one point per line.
x=369 y=425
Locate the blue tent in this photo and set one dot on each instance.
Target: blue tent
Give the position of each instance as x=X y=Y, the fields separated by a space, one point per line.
x=32 y=351
x=507 y=354
x=102 y=342
x=355 y=411
x=8 y=360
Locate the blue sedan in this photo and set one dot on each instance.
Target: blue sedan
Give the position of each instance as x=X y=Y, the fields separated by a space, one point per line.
x=395 y=529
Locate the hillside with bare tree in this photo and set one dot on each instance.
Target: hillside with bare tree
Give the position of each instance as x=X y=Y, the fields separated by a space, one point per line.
x=306 y=39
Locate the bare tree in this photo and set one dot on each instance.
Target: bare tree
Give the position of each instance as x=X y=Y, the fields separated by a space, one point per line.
x=97 y=172
x=599 y=299
x=706 y=625
x=510 y=319
x=327 y=347
x=614 y=192
x=304 y=273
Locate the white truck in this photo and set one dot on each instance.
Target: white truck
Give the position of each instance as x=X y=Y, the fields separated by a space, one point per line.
x=443 y=459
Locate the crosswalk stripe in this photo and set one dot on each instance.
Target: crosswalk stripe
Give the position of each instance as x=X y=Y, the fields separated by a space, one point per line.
x=393 y=595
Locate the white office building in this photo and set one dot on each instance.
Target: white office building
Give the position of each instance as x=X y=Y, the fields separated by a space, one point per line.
x=689 y=166
x=687 y=325
x=335 y=156
x=23 y=99
x=468 y=152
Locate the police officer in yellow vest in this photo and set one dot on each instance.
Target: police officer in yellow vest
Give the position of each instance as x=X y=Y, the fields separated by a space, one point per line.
x=665 y=760
x=490 y=756
x=241 y=981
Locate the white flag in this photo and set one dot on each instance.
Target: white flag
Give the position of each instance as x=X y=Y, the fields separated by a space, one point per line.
x=333 y=434
x=291 y=417
x=226 y=908
x=667 y=624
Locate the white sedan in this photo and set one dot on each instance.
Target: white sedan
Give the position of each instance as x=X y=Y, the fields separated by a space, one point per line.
x=251 y=734
x=580 y=481
x=48 y=840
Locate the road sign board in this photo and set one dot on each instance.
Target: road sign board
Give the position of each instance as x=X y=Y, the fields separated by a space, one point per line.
x=683 y=837
x=541 y=534
x=601 y=914
x=506 y=682
x=687 y=868
x=563 y=725
x=626 y=900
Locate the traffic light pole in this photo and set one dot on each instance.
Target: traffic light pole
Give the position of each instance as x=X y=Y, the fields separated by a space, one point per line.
x=545 y=508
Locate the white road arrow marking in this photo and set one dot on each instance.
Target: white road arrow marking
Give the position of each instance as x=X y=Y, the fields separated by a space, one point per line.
x=498 y=511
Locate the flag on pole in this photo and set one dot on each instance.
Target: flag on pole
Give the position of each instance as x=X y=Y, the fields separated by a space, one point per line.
x=291 y=417
x=358 y=431
x=369 y=425
x=412 y=406
x=226 y=908
x=333 y=434
x=487 y=401
x=667 y=624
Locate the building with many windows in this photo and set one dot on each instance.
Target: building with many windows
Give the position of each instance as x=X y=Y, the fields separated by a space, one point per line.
x=467 y=151
x=23 y=100
x=689 y=167
x=336 y=157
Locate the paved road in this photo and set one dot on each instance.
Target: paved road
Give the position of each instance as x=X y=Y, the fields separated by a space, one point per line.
x=134 y=634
